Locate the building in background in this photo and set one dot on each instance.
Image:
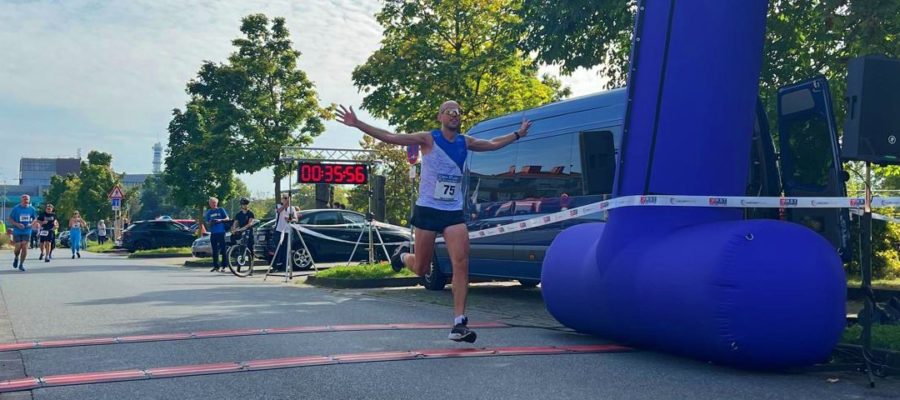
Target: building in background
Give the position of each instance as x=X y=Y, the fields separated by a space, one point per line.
x=157 y=157
x=38 y=171
x=132 y=180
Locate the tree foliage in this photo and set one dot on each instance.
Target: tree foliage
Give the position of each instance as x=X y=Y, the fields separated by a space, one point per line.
x=155 y=200
x=63 y=193
x=241 y=113
x=279 y=103
x=433 y=51
x=803 y=39
x=97 y=179
x=465 y=50
x=397 y=187
x=193 y=168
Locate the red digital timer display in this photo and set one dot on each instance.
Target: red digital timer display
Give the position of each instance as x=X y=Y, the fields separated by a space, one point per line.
x=346 y=174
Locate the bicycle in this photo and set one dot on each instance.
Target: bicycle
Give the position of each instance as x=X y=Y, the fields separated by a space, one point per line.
x=240 y=255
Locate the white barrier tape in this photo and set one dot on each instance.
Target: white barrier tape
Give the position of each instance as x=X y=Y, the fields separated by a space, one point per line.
x=686 y=201
x=303 y=229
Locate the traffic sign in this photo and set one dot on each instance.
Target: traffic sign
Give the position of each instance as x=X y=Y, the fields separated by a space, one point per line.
x=116 y=193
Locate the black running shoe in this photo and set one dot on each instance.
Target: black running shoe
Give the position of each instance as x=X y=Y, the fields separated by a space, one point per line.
x=16 y=262
x=396 y=262
x=462 y=333
x=47 y=259
x=214 y=269
x=79 y=254
x=22 y=266
x=41 y=257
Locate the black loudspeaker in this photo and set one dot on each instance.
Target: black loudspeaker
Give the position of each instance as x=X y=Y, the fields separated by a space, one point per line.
x=322 y=195
x=872 y=126
x=379 y=203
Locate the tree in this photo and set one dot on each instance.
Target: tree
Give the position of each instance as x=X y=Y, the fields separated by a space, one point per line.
x=278 y=102
x=434 y=51
x=63 y=194
x=155 y=200
x=397 y=187
x=803 y=39
x=193 y=170
x=580 y=34
x=97 y=179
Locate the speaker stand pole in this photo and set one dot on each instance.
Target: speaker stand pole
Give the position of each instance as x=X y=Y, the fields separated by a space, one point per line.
x=866 y=271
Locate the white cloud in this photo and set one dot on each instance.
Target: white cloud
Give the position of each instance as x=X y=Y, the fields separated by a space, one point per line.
x=105 y=74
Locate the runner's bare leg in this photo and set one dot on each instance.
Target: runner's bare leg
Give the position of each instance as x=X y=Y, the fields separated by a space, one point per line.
x=420 y=262
x=457 y=237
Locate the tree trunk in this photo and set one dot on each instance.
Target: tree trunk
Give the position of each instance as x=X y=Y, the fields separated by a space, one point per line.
x=277 y=189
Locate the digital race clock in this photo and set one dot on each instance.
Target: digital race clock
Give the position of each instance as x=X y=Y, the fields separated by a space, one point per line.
x=323 y=172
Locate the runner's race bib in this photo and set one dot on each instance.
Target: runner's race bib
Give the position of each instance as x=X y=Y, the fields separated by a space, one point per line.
x=45 y=233
x=24 y=219
x=447 y=187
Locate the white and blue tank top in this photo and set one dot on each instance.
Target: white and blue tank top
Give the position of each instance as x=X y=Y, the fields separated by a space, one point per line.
x=441 y=183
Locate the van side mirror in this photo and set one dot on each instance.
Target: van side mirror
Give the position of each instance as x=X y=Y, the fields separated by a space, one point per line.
x=845 y=175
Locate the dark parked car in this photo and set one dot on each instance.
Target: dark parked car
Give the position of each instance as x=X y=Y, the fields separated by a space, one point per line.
x=145 y=235
x=336 y=232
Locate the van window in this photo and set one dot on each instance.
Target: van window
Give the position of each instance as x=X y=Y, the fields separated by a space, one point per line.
x=491 y=182
x=810 y=153
x=545 y=170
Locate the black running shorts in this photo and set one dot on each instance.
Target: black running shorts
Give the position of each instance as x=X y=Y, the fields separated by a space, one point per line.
x=49 y=237
x=435 y=220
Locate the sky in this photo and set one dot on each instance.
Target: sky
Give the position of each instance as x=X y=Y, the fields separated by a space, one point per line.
x=105 y=75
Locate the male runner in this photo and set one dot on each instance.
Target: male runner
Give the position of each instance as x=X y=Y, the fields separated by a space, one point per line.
x=22 y=217
x=439 y=208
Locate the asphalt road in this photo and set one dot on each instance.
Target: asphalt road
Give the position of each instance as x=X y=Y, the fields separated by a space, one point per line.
x=102 y=295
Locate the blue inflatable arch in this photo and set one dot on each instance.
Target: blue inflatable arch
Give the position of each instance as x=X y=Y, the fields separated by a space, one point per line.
x=700 y=282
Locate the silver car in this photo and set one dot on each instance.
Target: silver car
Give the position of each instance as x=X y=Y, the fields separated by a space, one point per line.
x=202 y=247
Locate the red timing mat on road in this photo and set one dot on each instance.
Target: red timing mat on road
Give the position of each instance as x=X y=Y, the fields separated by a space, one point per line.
x=293 y=362
x=38 y=344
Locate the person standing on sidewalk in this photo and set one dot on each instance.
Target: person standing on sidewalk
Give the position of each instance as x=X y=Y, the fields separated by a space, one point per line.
x=101 y=232
x=47 y=232
x=216 y=217
x=439 y=208
x=22 y=218
x=243 y=225
x=284 y=215
x=75 y=225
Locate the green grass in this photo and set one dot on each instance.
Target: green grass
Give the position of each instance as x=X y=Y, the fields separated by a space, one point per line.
x=878 y=283
x=162 y=252
x=95 y=247
x=883 y=336
x=365 y=271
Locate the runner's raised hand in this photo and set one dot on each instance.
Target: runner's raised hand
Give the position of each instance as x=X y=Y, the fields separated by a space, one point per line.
x=347 y=117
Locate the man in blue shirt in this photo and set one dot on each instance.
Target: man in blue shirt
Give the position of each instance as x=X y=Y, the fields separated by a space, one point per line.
x=216 y=217
x=21 y=218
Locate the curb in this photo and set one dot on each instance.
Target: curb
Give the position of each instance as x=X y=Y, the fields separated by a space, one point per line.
x=362 y=283
x=207 y=264
x=158 y=255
